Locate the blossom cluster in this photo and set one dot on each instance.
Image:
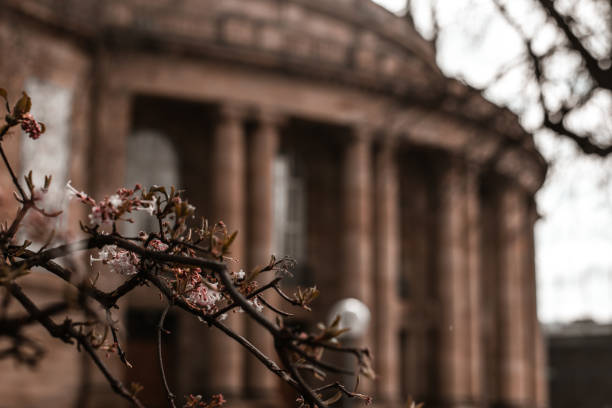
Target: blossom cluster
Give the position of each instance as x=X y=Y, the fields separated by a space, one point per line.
x=29 y=125
x=196 y=401
x=199 y=291
x=120 y=261
x=112 y=208
x=157 y=245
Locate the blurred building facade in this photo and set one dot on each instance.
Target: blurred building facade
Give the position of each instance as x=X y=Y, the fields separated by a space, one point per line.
x=319 y=129
x=580 y=354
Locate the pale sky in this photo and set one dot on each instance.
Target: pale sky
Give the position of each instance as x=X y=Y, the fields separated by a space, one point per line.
x=574 y=237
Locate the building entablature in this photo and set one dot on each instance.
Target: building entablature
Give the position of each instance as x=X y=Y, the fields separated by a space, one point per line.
x=354 y=61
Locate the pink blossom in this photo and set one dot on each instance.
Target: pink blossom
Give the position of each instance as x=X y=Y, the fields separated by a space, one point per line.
x=201 y=294
x=74 y=193
x=31 y=126
x=121 y=261
x=157 y=245
x=112 y=208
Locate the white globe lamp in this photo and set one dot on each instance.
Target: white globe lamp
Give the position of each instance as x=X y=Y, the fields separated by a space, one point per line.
x=354 y=315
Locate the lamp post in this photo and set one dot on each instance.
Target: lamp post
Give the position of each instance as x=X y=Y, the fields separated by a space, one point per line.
x=355 y=316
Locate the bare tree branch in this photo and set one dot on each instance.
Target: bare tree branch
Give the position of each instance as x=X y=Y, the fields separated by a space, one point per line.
x=602 y=76
x=186 y=265
x=160 y=328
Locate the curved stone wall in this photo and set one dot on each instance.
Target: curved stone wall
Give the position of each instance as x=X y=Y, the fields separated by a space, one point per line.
x=357 y=43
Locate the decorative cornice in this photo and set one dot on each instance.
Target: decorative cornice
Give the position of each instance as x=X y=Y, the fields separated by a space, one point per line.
x=352 y=42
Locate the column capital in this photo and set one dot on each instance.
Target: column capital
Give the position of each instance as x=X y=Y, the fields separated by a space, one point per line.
x=387 y=140
x=473 y=167
x=363 y=132
x=232 y=111
x=269 y=117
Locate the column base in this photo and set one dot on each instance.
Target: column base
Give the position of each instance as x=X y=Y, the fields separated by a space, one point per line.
x=458 y=403
x=511 y=405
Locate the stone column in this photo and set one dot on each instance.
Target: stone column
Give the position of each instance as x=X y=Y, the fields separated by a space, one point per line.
x=537 y=355
x=512 y=297
x=386 y=312
x=473 y=219
x=260 y=382
x=453 y=288
x=113 y=126
x=531 y=314
x=356 y=272
x=489 y=260
x=228 y=198
x=356 y=278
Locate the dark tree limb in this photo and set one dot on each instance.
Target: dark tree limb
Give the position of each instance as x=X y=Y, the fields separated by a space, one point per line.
x=67 y=333
x=602 y=78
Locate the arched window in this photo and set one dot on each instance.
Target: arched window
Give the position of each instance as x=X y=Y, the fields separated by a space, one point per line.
x=50 y=155
x=151 y=160
x=289 y=209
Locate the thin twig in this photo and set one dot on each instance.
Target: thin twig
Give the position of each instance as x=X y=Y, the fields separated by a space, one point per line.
x=160 y=327
x=113 y=330
x=309 y=395
x=336 y=385
x=269 y=363
x=273 y=308
x=285 y=296
x=322 y=364
x=249 y=296
x=12 y=173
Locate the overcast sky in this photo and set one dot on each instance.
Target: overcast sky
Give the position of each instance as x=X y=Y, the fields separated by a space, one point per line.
x=574 y=237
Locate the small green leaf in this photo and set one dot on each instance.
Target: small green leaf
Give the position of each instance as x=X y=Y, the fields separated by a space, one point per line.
x=28 y=180
x=48 y=181
x=229 y=241
x=22 y=106
x=135 y=388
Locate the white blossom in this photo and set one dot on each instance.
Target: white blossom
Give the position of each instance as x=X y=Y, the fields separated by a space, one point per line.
x=120 y=261
x=258 y=305
x=255 y=303
x=115 y=201
x=203 y=296
x=95 y=217
x=150 y=207
x=73 y=192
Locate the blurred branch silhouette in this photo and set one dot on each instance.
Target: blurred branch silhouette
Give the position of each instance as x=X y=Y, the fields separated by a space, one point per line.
x=592 y=74
x=581 y=43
